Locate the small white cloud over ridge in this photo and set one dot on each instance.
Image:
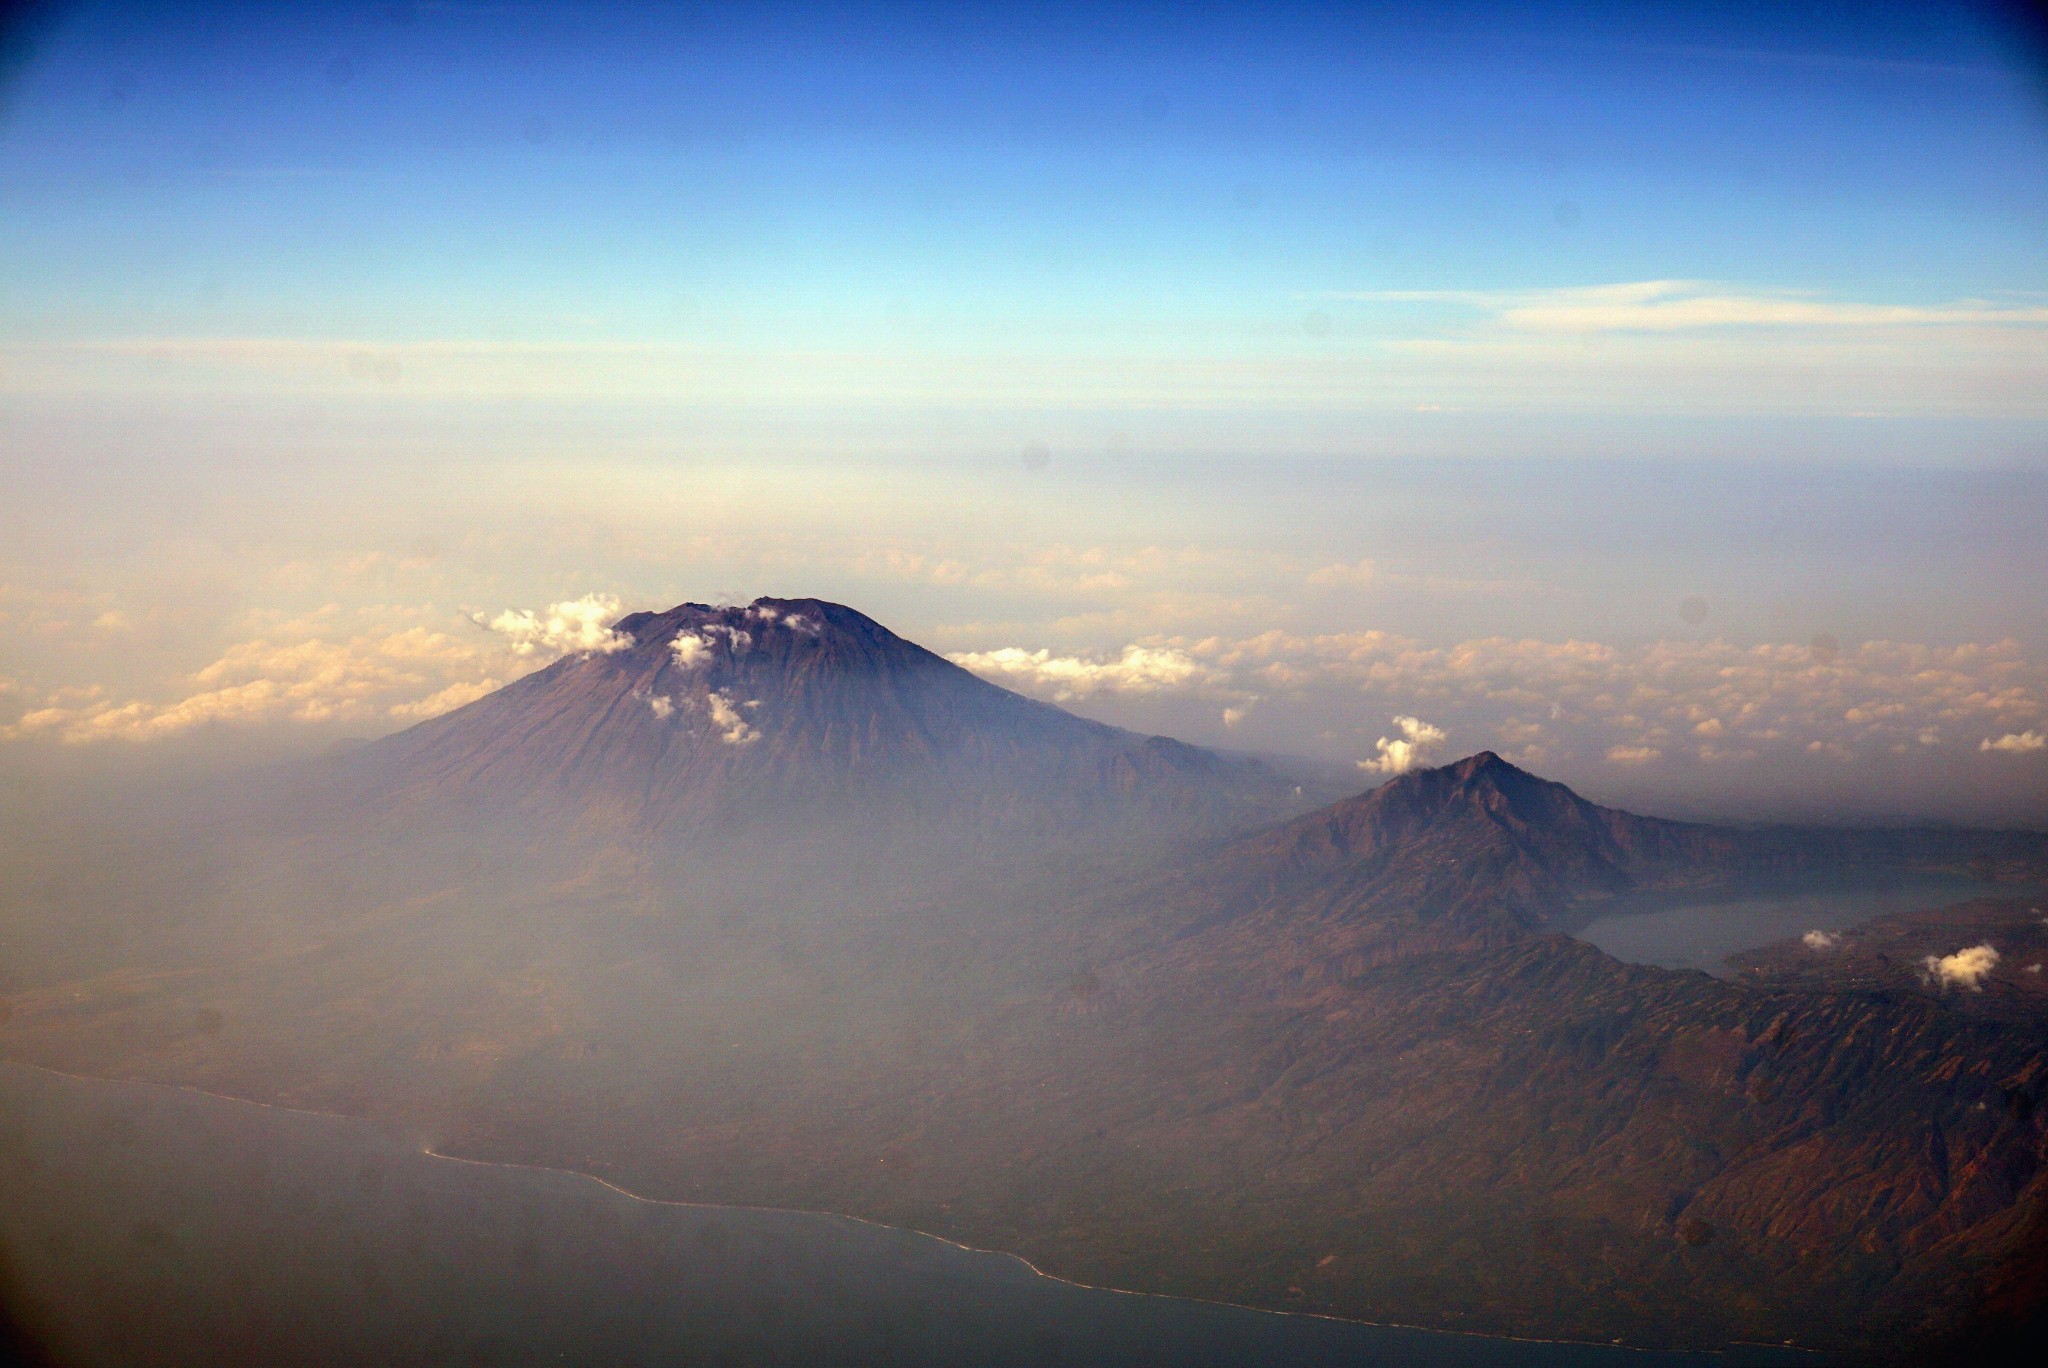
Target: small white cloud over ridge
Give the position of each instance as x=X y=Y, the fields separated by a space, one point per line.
x=1966 y=968
x=1398 y=755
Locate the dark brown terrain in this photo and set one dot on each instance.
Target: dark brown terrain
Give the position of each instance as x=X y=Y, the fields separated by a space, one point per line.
x=1028 y=995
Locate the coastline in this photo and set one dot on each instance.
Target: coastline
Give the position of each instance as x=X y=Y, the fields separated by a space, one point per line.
x=580 y=1175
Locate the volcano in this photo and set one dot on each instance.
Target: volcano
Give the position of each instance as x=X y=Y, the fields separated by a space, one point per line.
x=799 y=713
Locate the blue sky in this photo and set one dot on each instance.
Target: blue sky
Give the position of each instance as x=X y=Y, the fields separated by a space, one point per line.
x=1058 y=180
x=1339 y=361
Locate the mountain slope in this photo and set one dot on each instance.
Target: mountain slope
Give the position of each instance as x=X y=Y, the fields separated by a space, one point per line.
x=1471 y=854
x=802 y=711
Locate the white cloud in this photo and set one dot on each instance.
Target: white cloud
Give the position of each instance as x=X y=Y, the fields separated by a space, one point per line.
x=1965 y=968
x=689 y=650
x=1139 y=670
x=2018 y=743
x=1400 y=754
x=362 y=668
x=1821 y=940
x=580 y=624
x=693 y=649
x=661 y=705
x=1633 y=755
x=796 y=622
x=733 y=728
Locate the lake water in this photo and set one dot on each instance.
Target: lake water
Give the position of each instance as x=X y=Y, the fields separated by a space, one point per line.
x=1702 y=934
x=148 y=1225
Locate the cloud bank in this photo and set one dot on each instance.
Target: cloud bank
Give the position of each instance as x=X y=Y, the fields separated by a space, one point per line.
x=1567 y=707
x=1537 y=701
x=371 y=678
x=1138 y=670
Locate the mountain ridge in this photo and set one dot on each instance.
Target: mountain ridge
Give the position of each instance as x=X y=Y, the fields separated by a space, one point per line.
x=705 y=716
x=1474 y=853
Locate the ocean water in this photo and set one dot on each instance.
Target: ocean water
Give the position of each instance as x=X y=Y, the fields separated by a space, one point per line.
x=151 y=1225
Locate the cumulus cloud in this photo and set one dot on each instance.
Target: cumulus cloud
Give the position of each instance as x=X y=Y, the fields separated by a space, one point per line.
x=661 y=705
x=695 y=649
x=1633 y=755
x=2018 y=743
x=1965 y=968
x=733 y=727
x=1139 y=670
x=689 y=650
x=1821 y=940
x=1398 y=755
x=574 y=625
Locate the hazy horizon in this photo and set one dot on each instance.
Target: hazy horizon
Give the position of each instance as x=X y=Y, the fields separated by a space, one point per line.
x=1659 y=398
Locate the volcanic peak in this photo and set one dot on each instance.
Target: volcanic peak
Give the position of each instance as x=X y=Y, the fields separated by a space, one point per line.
x=747 y=713
x=1482 y=783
